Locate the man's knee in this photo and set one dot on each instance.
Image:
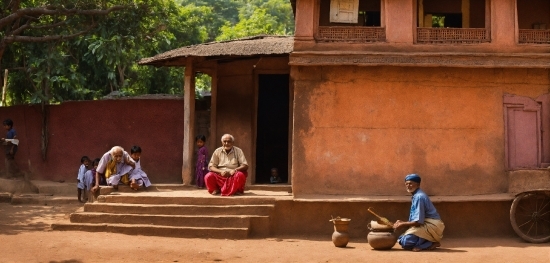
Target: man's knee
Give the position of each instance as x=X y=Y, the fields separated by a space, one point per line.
x=210 y=176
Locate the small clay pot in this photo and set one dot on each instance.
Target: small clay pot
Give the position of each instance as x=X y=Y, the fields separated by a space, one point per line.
x=381 y=240
x=340 y=236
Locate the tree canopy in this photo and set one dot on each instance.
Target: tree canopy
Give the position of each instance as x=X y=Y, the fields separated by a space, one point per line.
x=57 y=50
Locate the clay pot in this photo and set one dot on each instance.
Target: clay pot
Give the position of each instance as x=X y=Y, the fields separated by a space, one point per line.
x=340 y=236
x=381 y=236
x=377 y=226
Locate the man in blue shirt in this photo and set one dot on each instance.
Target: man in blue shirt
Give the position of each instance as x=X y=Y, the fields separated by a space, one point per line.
x=424 y=228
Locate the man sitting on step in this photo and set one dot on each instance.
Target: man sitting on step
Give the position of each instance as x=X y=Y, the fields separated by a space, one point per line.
x=113 y=165
x=227 y=169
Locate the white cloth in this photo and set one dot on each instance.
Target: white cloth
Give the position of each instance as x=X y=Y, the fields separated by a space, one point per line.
x=139 y=175
x=81 y=171
x=431 y=230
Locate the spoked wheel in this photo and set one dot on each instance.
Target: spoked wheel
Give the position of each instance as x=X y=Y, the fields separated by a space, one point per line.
x=530 y=216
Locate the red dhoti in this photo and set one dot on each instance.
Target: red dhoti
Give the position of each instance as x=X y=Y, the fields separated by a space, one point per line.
x=227 y=185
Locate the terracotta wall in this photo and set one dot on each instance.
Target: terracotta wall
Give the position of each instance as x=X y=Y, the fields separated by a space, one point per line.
x=360 y=130
x=92 y=127
x=462 y=219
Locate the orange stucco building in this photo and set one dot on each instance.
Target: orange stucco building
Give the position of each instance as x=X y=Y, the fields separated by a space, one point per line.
x=463 y=104
x=368 y=91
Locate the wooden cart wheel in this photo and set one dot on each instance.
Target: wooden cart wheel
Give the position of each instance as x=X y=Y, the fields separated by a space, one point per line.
x=530 y=216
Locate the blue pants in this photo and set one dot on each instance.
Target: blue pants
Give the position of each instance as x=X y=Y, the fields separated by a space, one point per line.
x=411 y=241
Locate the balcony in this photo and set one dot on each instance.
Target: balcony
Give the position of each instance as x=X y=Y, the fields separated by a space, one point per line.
x=452 y=35
x=351 y=34
x=534 y=36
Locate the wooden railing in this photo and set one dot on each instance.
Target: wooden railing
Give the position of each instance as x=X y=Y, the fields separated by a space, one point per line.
x=351 y=34
x=534 y=36
x=452 y=35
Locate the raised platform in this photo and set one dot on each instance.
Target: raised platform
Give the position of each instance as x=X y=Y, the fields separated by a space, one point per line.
x=189 y=212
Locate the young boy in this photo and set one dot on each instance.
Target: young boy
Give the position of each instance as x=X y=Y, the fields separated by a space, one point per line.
x=11 y=142
x=137 y=176
x=84 y=163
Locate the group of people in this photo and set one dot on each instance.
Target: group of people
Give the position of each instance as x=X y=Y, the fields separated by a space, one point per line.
x=114 y=167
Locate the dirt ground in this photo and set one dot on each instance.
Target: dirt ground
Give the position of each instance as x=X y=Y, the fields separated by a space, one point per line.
x=25 y=236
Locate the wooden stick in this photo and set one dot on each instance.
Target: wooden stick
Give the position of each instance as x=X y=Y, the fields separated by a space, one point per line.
x=383 y=219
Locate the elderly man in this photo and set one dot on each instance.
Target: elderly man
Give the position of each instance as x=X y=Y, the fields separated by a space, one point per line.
x=227 y=169
x=424 y=228
x=113 y=165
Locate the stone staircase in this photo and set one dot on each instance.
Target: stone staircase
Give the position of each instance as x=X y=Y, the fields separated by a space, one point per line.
x=176 y=211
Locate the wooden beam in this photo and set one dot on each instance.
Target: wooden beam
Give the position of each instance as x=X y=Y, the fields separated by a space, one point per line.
x=189 y=123
x=214 y=140
x=465 y=13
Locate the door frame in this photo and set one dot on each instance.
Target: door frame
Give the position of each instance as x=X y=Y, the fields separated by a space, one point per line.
x=255 y=118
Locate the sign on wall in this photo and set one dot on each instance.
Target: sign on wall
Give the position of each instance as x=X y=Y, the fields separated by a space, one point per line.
x=344 y=11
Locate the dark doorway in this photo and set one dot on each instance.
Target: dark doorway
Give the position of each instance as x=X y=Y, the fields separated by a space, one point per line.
x=272 y=127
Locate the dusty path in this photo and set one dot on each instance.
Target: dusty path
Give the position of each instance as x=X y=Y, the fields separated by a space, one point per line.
x=25 y=237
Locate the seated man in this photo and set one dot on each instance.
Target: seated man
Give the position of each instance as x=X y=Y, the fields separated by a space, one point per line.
x=112 y=166
x=227 y=169
x=425 y=228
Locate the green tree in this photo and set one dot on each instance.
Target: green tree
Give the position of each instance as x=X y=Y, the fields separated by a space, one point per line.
x=272 y=17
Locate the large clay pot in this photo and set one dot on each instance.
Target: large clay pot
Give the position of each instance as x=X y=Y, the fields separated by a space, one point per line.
x=381 y=236
x=381 y=240
x=340 y=236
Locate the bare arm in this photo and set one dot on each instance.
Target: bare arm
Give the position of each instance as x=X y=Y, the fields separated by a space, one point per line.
x=401 y=224
x=96 y=186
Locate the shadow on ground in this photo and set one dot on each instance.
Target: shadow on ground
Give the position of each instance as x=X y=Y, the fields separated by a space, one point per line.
x=15 y=219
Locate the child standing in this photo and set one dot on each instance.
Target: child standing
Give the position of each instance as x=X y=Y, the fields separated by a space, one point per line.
x=84 y=163
x=11 y=142
x=89 y=178
x=138 y=177
x=202 y=164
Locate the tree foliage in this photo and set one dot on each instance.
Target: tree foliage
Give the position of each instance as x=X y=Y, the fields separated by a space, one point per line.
x=84 y=52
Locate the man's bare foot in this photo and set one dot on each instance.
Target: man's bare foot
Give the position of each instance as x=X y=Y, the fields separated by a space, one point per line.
x=134 y=186
x=115 y=187
x=434 y=246
x=416 y=249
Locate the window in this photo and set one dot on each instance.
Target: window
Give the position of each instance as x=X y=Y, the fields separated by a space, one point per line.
x=453 y=21
x=351 y=21
x=526 y=132
x=533 y=21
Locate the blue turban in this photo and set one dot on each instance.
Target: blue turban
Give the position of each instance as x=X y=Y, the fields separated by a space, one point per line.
x=413 y=177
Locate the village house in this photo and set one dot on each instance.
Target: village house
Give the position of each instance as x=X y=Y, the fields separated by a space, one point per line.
x=364 y=93
x=372 y=90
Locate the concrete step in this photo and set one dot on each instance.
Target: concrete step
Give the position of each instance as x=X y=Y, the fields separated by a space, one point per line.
x=166 y=220
x=105 y=190
x=55 y=188
x=152 y=230
x=17 y=186
x=271 y=187
x=185 y=200
x=41 y=199
x=5 y=197
x=179 y=209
